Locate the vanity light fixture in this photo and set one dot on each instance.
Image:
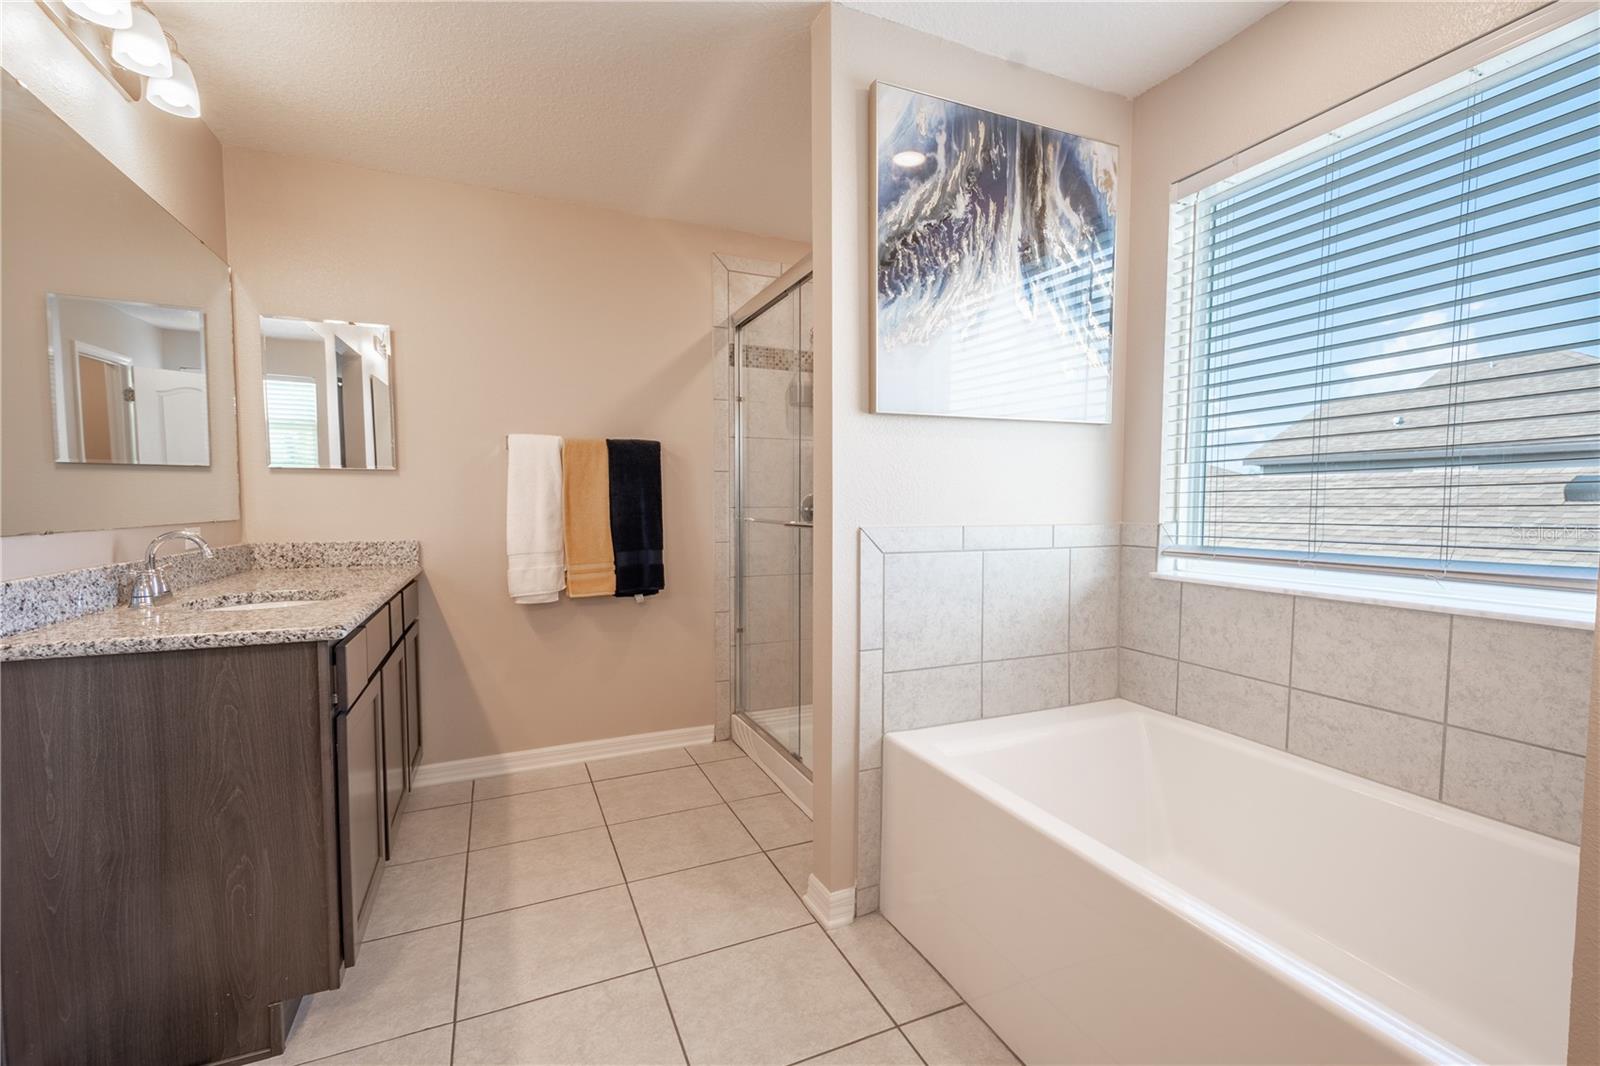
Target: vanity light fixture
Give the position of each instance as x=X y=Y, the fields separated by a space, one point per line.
x=909 y=159
x=112 y=14
x=178 y=94
x=142 y=46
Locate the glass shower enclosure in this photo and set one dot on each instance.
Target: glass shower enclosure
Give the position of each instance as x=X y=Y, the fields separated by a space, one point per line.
x=772 y=515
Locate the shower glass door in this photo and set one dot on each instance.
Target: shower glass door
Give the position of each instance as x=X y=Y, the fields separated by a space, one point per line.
x=773 y=434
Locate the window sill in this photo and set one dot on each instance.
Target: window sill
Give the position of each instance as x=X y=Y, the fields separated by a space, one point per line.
x=1551 y=607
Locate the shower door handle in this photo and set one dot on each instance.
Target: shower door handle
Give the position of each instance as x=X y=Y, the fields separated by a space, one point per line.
x=776 y=522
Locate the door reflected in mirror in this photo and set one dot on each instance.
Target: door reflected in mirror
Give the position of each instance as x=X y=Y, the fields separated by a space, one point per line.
x=128 y=381
x=329 y=394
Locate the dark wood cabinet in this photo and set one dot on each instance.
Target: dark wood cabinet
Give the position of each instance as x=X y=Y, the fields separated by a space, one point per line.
x=193 y=840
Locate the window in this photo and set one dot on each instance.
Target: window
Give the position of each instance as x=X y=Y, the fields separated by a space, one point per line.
x=1383 y=348
x=291 y=421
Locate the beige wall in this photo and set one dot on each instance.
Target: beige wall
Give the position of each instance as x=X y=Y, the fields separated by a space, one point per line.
x=897 y=470
x=1583 y=1044
x=178 y=162
x=1298 y=61
x=510 y=314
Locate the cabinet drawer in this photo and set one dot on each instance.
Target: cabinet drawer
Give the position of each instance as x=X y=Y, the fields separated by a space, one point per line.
x=353 y=665
x=378 y=642
x=397 y=621
x=409 y=603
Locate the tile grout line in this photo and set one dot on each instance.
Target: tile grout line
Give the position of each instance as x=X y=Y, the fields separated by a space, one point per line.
x=1444 y=737
x=633 y=904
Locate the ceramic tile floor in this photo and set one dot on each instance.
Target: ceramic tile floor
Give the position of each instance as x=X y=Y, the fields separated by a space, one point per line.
x=638 y=910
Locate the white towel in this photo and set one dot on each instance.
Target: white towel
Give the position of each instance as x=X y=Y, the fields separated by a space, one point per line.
x=536 y=566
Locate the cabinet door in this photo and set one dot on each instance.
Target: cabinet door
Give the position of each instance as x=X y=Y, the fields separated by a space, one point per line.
x=413 y=649
x=394 y=758
x=360 y=741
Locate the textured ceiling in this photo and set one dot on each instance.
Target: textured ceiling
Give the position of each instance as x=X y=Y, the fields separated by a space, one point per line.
x=695 y=111
x=1122 y=48
x=690 y=111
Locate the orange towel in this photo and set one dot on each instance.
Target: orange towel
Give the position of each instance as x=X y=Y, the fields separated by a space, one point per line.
x=586 y=502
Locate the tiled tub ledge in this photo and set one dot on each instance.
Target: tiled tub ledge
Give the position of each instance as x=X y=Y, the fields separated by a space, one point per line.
x=83 y=612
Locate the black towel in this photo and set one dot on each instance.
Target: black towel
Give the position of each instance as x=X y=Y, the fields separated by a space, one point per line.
x=635 y=468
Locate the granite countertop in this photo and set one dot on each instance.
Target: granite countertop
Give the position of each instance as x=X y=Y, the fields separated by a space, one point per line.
x=344 y=596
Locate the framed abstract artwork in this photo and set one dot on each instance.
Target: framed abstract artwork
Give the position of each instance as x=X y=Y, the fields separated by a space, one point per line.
x=995 y=266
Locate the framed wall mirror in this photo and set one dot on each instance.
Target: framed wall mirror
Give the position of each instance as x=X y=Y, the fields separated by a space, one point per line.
x=329 y=394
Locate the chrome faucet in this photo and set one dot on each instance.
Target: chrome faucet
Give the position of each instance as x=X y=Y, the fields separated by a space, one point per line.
x=151 y=588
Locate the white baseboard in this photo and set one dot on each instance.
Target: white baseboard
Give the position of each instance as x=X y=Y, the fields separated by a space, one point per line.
x=444 y=773
x=832 y=909
x=795 y=785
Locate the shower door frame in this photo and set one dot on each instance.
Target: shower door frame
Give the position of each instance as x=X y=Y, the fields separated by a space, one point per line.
x=785 y=284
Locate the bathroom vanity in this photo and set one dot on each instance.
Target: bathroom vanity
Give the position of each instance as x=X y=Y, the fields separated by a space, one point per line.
x=198 y=803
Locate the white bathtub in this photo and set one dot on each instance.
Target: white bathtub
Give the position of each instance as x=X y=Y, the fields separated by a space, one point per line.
x=1108 y=884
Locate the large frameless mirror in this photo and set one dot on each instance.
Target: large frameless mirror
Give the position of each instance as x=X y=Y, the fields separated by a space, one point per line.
x=128 y=382
x=329 y=394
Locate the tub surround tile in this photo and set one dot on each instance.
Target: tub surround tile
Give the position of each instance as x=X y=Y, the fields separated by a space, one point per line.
x=1088 y=536
x=869 y=826
x=958 y=1037
x=1141 y=534
x=1016 y=686
x=1243 y=706
x=1383 y=657
x=869 y=698
x=1148 y=680
x=754 y=900
x=890 y=539
x=1237 y=630
x=722 y=646
x=1025 y=603
x=996 y=538
x=933 y=609
x=1392 y=749
x=518 y=955
x=799 y=985
x=918 y=698
x=1531 y=787
x=1092 y=675
x=871 y=598
x=1148 y=608
x=866 y=899
x=1094 y=598
x=561 y=1030
x=1522 y=682
x=906 y=986
x=532 y=871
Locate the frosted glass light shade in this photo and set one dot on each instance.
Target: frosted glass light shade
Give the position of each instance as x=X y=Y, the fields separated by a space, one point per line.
x=142 y=47
x=178 y=94
x=112 y=14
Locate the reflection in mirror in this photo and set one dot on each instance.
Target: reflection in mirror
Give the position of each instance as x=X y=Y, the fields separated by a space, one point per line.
x=128 y=382
x=329 y=394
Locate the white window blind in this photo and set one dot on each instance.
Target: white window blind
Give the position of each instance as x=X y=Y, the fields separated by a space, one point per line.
x=291 y=421
x=1384 y=352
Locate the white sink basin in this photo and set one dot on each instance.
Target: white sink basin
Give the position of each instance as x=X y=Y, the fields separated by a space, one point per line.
x=274 y=605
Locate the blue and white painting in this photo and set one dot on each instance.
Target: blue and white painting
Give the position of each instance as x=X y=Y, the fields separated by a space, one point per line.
x=995 y=242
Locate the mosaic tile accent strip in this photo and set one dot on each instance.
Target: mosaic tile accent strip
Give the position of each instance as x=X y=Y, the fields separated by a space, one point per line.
x=763 y=358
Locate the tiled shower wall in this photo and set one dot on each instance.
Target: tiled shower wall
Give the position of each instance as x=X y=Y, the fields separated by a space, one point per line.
x=1483 y=714
x=959 y=623
x=972 y=622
